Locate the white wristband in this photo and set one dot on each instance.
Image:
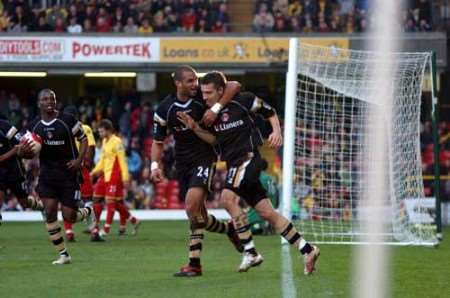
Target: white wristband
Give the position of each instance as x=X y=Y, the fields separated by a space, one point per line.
x=154 y=165
x=216 y=108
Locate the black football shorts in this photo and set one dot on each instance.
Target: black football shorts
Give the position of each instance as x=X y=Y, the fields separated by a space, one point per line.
x=66 y=192
x=17 y=187
x=243 y=179
x=199 y=175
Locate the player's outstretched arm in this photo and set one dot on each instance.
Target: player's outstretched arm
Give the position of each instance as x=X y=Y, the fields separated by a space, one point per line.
x=257 y=105
x=275 y=138
x=203 y=134
x=231 y=89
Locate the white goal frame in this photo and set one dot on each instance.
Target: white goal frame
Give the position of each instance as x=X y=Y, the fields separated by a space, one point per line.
x=289 y=145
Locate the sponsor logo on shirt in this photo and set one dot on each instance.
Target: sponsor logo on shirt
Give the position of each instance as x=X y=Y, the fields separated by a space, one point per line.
x=227 y=126
x=54 y=143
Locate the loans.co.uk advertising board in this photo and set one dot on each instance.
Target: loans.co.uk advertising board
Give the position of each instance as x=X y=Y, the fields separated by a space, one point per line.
x=235 y=50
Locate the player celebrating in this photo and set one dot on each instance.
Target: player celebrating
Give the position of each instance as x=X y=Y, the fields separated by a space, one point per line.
x=60 y=163
x=113 y=169
x=12 y=175
x=86 y=188
x=194 y=159
x=234 y=132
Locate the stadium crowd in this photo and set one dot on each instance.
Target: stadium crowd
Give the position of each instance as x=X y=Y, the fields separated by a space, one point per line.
x=148 y=16
x=141 y=16
x=135 y=124
x=325 y=16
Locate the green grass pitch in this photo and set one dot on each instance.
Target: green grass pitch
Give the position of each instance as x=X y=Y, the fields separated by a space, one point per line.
x=142 y=266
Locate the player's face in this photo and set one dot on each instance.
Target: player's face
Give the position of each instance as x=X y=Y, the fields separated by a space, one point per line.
x=188 y=86
x=47 y=102
x=102 y=132
x=211 y=94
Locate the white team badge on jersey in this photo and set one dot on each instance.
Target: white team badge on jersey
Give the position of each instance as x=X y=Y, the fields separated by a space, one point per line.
x=225 y=117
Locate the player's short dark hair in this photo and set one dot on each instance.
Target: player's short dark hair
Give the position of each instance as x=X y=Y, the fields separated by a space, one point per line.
x=178 y=73
x=216 y=78
x=46 y=91
x=106 y=124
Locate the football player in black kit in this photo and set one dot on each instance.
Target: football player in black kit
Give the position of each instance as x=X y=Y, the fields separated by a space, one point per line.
x=12 y=175
x=194 y=160
x=234 y=133
x=59 y=175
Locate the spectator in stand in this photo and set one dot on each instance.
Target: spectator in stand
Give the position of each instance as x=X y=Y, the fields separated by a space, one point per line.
x=173 y=22
x=19 y=21
x=280 y=25
x=157 y=6
x=159 y=25
x=125 y=121
x=54 y=13
x=188 y=20
x=204 y=15
x=102 y=12
x=74 y=27
x=222 y=16
x=119 y=20
x=142 y=121
x=59 y=25
x=281 y=6
x=42 y=25
x=134 y=158
x=74 y=13
x=323 y=27
x=145 y=27
x=130 y=27
x=102 y=25
x=87 y=26
x=263 y=21
x=335 y=24
x=90 y=14
x=202 y=26
x=295 y=25
x=4 y=20
x=218 y=27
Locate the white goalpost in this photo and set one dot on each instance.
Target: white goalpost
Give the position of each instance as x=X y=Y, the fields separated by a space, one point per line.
x=329 y=95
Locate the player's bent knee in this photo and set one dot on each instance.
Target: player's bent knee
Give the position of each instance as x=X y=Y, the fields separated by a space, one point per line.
x=194 y=205
x=268 y=214
x=50 y=216
x=227 y=197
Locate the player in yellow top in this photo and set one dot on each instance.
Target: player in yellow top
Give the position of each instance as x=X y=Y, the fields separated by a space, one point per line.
x=115 y=178
x=86 y=188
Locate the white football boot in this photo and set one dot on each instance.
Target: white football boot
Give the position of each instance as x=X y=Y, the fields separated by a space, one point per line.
x=249 y=260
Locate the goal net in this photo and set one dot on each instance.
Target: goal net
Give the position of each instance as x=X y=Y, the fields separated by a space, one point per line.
x=329 y=95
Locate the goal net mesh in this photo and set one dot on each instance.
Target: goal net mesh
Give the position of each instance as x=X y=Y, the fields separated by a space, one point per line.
x=334 y=96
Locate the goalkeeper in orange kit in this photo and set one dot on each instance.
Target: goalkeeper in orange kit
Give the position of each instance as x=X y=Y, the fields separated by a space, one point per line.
x=112 y=170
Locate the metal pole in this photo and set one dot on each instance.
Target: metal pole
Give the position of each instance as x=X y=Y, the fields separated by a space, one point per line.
x=436 y=147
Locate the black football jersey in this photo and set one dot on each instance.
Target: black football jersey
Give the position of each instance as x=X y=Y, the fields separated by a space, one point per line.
x=10 y=169
x=58 y=145
x=189 y=148
x=235 y=130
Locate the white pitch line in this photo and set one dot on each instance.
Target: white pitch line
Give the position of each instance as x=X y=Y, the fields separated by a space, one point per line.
x=288 y=289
